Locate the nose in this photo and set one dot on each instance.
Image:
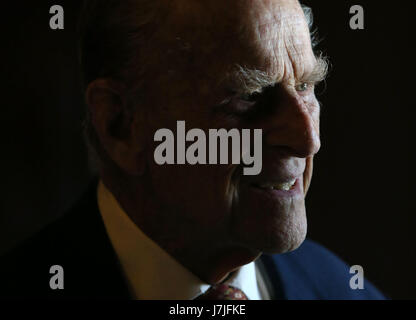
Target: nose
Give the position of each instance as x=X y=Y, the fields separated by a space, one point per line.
x=294 y=125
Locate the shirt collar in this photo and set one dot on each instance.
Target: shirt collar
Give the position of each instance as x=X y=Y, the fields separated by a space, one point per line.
x=150 y=271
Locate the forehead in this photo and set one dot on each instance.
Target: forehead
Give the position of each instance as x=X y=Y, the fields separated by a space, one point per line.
x=214 y=36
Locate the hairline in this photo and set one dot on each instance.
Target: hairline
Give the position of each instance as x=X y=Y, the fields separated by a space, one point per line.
x=248 y=81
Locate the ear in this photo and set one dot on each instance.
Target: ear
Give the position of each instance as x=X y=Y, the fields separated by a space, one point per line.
x=117 y=128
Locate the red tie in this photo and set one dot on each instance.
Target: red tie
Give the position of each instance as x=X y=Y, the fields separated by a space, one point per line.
x=222 y=292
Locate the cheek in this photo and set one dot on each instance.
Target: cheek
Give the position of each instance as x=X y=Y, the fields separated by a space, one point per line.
x=307 y=176
x=200 y=193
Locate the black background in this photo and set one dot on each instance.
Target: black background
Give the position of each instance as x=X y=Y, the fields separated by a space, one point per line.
x=361 y=203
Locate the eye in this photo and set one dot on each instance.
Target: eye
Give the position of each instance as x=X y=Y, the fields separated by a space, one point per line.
x=250 y=97
x=304 y=86
x=240 y=106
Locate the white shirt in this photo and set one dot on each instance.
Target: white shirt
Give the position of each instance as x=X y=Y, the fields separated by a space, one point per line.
x=151 y=273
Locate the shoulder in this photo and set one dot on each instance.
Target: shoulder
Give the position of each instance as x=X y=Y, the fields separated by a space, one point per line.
x=314 y=272
x=24 y=271
x=78 y=243
x=59 y=238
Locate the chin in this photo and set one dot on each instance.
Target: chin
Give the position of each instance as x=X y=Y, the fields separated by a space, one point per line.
x=279 y=234
x=270 y=219
x=286 y=240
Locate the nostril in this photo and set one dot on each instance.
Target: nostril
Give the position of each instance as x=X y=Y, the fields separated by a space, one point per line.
x=294 y=141
x=312 y=142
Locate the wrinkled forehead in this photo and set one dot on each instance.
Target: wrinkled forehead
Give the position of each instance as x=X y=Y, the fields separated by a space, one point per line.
x=268 y=35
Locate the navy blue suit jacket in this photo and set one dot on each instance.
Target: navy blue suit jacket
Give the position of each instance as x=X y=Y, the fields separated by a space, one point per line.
x=79 y=243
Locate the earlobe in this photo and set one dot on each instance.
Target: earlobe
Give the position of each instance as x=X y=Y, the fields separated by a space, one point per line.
x=113 y=123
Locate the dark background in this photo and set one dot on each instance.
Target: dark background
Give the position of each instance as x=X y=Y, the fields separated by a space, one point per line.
x=361 y=204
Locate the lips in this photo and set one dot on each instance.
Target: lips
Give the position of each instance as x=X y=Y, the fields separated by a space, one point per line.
x=276 y=191
x=281 y=176
x=283 y=186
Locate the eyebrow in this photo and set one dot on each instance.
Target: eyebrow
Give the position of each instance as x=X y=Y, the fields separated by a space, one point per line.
x=246 y=81
x=319 y=72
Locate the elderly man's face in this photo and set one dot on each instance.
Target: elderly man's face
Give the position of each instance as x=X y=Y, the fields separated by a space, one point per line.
x=193 y=79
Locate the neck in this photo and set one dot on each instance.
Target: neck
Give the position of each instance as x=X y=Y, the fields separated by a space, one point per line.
x=208 y=254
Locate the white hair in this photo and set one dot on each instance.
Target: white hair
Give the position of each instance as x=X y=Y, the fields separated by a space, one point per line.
x=307 y=11
x=248 y=81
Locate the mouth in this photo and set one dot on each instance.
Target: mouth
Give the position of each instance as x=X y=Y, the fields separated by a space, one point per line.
x=282 y=186
x=279 y=190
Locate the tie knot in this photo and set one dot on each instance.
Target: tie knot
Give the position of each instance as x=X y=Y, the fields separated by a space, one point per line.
x=222 y=292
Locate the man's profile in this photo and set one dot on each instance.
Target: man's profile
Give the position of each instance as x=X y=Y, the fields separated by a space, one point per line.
x=180 y=231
